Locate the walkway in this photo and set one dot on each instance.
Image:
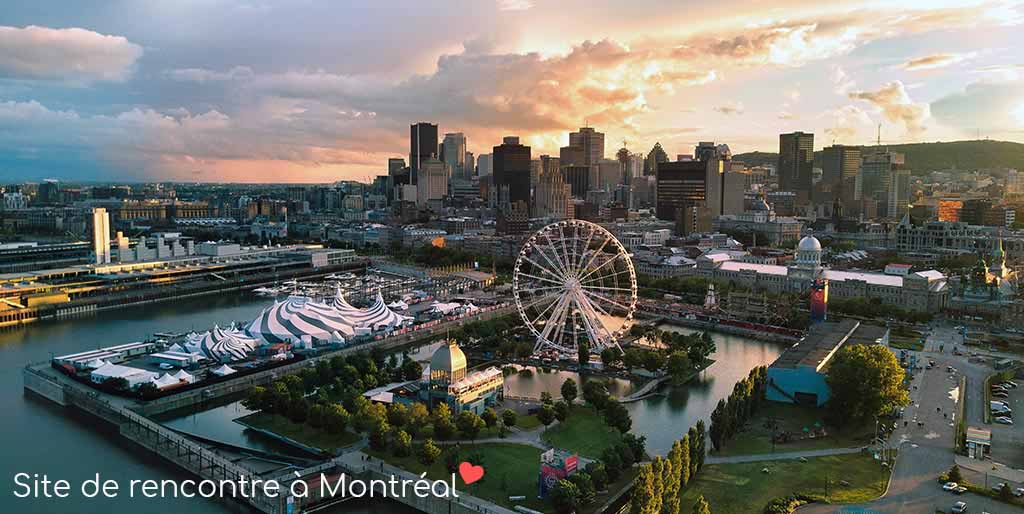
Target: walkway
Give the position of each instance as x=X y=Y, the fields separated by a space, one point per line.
x=780 y=456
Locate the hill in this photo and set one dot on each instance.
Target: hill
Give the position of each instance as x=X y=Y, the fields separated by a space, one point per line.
x=925 y=157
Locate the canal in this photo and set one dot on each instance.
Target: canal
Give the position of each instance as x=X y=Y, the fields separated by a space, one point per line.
x=42 y=438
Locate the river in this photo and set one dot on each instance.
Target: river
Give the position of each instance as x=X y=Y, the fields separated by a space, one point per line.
x=42 y=438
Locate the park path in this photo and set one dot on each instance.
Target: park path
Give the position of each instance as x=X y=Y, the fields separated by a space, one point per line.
x=780 y=456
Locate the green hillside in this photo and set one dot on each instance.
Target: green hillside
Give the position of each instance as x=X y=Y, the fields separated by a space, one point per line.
x=925 y=157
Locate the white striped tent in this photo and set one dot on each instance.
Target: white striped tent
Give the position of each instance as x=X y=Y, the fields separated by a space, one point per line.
x=295 y=317
x=222 y=345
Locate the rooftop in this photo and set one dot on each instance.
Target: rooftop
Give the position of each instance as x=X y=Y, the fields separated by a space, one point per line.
x=818 y=346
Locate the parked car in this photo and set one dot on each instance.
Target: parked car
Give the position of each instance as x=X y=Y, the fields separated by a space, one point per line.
x=1004 y=420
x=960 y=490
x=950 y=486
x=1018 y=492
x=998 y=487
x=959 y=508
x=1000 y=395
x=164 y=365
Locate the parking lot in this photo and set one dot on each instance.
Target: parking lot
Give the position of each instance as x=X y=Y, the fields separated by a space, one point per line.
x=1008 y=440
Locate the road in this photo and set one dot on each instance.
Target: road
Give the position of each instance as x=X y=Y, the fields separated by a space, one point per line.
x=926 y=450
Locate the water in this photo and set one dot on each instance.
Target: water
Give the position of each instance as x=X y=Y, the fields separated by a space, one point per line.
x=40 y=437
x=667 y=416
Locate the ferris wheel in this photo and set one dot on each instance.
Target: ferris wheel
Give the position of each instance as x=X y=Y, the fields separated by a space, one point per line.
x=574 y=281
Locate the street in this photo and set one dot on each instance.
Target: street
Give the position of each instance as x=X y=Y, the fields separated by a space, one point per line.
x=927 y=450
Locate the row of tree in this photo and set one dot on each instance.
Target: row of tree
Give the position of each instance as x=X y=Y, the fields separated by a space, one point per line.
x=860 y=306
x=730 y=415
x=659 y=485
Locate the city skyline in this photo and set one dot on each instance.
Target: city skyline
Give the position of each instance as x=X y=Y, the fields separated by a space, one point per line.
x=274 y=92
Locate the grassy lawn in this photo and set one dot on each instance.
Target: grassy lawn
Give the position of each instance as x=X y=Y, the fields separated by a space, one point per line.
x=756 y=436
x=743 y=488
x=300 y=433
x=511 y=471
x=584 y=432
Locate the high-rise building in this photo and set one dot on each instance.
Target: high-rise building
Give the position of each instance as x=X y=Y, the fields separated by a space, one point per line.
x=609 y=174
x=572 y=156
x=552 y=193
x=101 y=235
x=484 y=165
x=433 y=184
x=395 y=165
x=796 y=163
x=840 y=164
x=453 y=154
x=511 y=161
x=578 y=178
x=470 y=165
x=880 y=179
x=680 y=184
x=422 y=146
x=590 y=142
x=654 y=157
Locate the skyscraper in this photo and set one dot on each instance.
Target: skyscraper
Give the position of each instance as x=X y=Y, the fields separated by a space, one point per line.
x=590 y=142
x=796 y=163
x=454 y=154
x=422 y=145
x=432 y=185
x=654 y=157
x=840 y=164
x=883 y=179
x=680 y=184
x=101 y=235
x=484 y=165
x=511 y=162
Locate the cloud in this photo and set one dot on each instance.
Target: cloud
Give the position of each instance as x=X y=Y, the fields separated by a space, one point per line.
x=730 y=108
x=895 y=104
x=515 y=5
x=1001 y=71
x=74 y=54
x=201 y=75
x=931 y=62
x=848 y=123
x=990 y=107
x=786 y=115
x=842 y=82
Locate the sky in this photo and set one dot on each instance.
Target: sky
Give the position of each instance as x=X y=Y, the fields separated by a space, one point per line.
x=325 y=90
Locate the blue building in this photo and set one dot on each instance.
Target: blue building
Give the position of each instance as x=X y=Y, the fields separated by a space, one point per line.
x=798 y=375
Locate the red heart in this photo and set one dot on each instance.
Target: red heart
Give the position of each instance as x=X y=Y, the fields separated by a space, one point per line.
x=470 y=473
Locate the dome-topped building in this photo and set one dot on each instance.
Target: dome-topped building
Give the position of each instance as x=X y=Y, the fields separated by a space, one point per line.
x=809 y=244
x=448 y=364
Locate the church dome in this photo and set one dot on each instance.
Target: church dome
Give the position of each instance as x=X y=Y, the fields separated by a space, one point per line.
x=809 y=244
x=448 y=363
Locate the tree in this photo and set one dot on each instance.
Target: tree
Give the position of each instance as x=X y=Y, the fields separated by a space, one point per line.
x=612 y=463
x=569 y=390
x=584 y=354
x=598 y=475
x=335 y=419
x=565 y=497
x=701 y=448
x=490 y=417
x=508 y=417
x=561 y=410
x=316 y=416
x=546 y=398
x=642 y=501
x=609 y=357
x=865 y=381
x=429 y=452
x=444 y=428
x=637 y=444
x=719 y=420
x=148 y=390
x=679 y=366
x=632 y=358
x=616 y=415
x=398 y=415
x=585 y=486
x=1005 y=494
x=411 y=370
x=379 y=437
x=955 y=475
x=701 y=507
x=469 y=424
x=546 y=414
x=403 y=444
x=418 y=417
x=595 y=392
x=653 y=361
